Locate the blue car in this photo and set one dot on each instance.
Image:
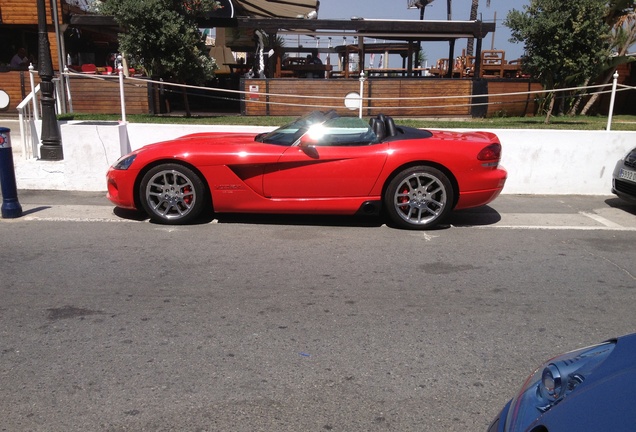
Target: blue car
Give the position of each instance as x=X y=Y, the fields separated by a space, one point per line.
x=590 y=389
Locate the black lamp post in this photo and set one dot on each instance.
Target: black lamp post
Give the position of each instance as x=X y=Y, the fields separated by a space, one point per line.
x=422 y=6
x=51 y=148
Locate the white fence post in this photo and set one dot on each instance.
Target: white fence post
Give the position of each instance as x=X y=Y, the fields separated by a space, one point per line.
x=362 y=78
x=611 y=107
x=67 y=81
x=35 y=95
x=59 y=94
x=121 y=89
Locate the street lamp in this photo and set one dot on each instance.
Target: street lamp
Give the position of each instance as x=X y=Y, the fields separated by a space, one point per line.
x=418 y=4
x=51 y=148
x=421 y=5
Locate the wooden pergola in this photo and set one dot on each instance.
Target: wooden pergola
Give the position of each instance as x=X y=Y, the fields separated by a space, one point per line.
x=407 y=31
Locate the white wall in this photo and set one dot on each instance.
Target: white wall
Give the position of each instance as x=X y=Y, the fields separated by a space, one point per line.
x=562 y=162
x=538 y=161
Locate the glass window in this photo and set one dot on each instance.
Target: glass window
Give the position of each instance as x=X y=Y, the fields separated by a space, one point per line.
x=343 y=131
x=288 y=134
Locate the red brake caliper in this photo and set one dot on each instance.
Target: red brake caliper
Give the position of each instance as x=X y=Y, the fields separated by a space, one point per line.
x=188 y=196
x=404 y=198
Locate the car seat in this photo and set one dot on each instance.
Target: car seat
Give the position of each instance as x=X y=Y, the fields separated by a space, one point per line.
x=378 y=127
x=389 y=125
x=389 y=129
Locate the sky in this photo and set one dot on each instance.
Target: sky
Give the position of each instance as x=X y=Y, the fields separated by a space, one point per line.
x=460 y=10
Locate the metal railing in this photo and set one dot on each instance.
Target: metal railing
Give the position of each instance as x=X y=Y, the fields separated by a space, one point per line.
x=29 y=114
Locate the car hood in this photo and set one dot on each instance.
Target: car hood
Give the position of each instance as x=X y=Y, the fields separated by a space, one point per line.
x=210 y=149
x=213 y=138
x=198 y=140
x=605 y=401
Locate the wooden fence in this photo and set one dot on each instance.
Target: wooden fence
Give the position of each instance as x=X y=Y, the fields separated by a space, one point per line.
x=99 y=94
x=89 y=94
x=418 y=97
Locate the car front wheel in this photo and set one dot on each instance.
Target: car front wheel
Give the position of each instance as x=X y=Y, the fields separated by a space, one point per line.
x=419 y=197
x=172 y=194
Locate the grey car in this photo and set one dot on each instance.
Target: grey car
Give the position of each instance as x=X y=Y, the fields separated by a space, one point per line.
x=624 y=177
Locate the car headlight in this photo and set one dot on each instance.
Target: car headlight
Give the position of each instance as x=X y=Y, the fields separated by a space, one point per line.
x=552 y=382
x=124 y=162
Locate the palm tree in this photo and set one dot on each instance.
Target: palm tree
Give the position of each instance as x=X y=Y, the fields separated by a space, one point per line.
x=474 y=6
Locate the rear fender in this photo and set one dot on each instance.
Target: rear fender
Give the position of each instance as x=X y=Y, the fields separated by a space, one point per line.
x=440 y=167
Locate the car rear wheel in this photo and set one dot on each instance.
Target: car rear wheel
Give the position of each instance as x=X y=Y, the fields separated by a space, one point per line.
x=172 y=194
x=419 y=197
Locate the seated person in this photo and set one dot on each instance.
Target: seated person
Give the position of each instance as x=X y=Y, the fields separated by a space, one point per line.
x=20 y=59
x=313 y=59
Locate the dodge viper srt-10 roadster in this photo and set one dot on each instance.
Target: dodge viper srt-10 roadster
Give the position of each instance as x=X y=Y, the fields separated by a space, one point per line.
x=590 y=389
x=321 y=163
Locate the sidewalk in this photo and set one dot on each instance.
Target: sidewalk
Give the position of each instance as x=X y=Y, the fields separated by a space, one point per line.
x=573 y=212
x=53 y=197
x=48 y=205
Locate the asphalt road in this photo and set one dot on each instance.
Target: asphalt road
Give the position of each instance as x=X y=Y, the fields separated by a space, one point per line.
x=109 y=322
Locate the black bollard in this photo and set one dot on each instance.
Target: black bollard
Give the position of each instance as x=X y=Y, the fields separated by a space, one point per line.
x=11 y=208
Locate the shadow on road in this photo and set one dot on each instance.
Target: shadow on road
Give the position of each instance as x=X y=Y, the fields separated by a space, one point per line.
x=303 y=220
x=35 y=210
x=618 y=203
x=480 y=216
x=134 y=215
x=472 y=217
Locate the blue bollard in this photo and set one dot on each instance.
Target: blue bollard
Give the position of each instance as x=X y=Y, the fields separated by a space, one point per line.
x=11 y=208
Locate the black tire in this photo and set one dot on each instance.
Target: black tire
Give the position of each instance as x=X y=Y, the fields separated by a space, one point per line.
x=419 y=198
x=172 y=194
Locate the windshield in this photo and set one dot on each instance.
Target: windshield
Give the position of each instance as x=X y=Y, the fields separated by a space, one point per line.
x=342 y=131
x=288 y=134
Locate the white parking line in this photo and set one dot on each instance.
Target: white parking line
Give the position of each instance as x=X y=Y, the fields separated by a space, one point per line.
x=71 y=219
x=68 y=213
x=581 y=221
x=600 y=219
x=557 y=227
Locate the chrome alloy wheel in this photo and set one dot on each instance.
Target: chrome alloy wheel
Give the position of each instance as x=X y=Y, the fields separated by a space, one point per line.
x=419 y=197
x=172 y=194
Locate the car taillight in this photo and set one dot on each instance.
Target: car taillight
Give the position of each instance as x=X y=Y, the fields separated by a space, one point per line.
x=490 y=155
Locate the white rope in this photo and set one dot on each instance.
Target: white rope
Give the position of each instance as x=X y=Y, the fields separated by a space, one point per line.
x=143 y=81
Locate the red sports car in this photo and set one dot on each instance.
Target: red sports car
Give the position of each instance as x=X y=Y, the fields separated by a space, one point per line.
x=321 y=163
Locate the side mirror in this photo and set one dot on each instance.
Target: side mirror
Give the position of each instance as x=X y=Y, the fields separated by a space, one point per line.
x=307 y=141
x=308 y=145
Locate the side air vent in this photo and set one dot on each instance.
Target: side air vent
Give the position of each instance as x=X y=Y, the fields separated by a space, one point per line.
x=625 y=187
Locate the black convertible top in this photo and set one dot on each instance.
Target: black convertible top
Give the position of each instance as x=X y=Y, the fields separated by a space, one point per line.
x=386 y=130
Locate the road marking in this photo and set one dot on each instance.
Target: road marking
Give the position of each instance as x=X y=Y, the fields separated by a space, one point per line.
x=426 y=237
x=72 y=219
x=581 y=221
x=600 y=219
x=69 y=213
x=556 y=227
